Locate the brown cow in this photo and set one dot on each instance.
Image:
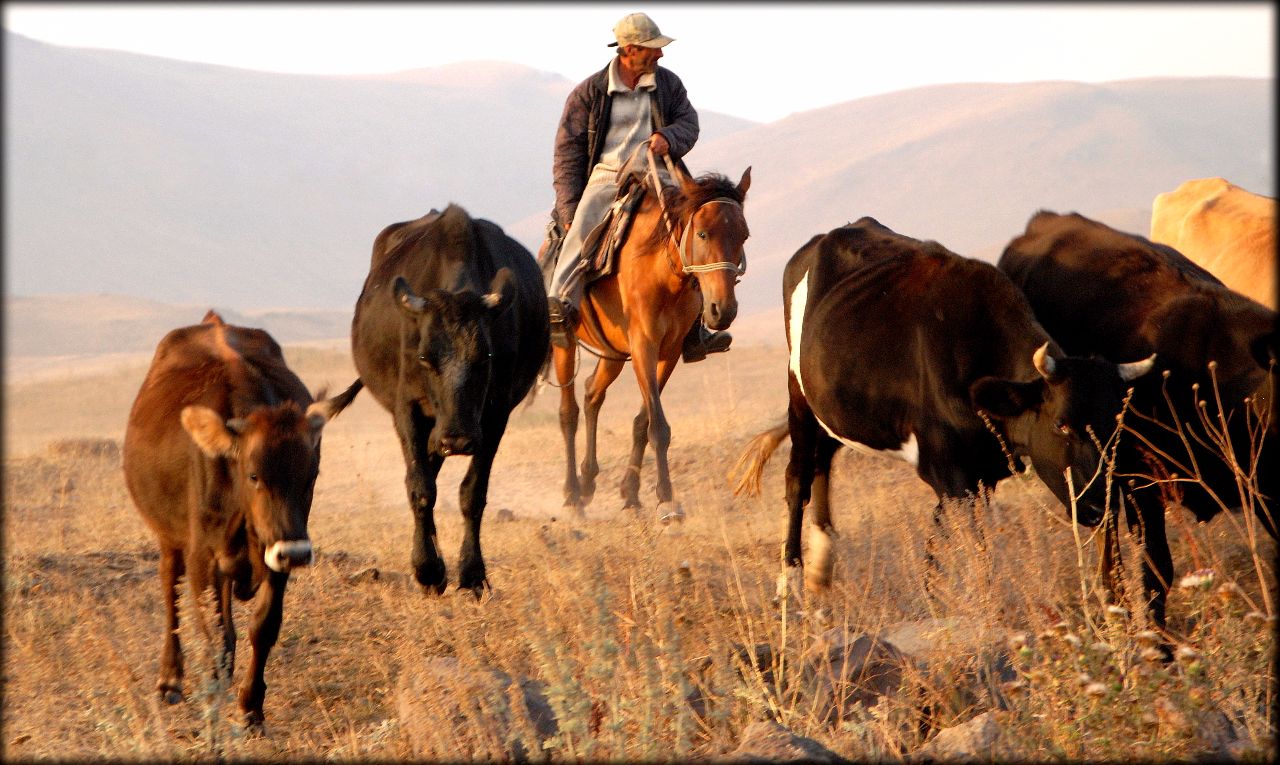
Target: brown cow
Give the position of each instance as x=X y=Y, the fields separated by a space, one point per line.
x=220 y=456
x=1224 y=229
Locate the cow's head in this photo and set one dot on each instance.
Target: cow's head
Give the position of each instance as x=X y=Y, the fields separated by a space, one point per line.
x=453 y=357
x=274 y=457
x=1062 y=421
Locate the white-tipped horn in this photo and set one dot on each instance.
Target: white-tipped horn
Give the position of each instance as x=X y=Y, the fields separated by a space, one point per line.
x=1043 y=362
x=1135 y=369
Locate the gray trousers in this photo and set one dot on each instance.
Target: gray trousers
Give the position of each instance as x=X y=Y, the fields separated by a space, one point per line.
x=566 y=282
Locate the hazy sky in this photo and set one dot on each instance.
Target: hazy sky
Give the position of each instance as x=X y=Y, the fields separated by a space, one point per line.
x=760 y=61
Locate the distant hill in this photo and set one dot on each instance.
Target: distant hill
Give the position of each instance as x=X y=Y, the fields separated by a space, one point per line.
x=968 y=164
x=195 y=184
x=69 y=325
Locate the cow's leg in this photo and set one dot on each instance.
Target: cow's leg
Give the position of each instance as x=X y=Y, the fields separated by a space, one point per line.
x=817 y=574
x=421 y=469
x=803 y=428
x=563 y=361
x=472 y=496
x=593 y=397
x=264 y=630
x=223 y=587
x=1110 y=562
x=1157 y=565
x=171 y=669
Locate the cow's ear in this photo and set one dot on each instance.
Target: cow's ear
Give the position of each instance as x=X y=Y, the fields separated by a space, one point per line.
x=745 y=183
x=502 y=290
x=207 y=428
x=1004 y=398
x=1264 y=350
x=406 y=299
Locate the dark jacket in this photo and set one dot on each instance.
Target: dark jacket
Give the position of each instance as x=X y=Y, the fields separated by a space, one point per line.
x=585 y=123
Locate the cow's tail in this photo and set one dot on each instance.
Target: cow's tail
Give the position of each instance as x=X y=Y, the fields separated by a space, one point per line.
x=344 y=399
x=750 y=466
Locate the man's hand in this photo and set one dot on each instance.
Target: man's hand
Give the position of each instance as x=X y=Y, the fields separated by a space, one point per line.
x=658 y=144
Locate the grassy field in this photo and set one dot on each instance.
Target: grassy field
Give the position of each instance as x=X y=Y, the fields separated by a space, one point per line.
x=634 y=632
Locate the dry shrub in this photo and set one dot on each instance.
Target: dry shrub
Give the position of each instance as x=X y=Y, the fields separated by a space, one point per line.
x=648 y=642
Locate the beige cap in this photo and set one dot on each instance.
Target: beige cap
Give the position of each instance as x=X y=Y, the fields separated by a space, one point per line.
x=638 y=29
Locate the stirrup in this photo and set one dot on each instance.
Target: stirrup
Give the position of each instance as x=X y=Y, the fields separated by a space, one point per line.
x=700 y=342
x=563 y=318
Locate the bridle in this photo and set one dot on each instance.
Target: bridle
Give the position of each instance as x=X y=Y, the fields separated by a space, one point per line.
x=682 y=243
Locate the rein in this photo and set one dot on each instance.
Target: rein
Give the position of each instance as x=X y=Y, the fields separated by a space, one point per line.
x=681 y=244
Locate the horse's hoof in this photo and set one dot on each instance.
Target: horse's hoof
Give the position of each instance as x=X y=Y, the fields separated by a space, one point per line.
x=253 y=725
x=574 y=510
x=171 y=695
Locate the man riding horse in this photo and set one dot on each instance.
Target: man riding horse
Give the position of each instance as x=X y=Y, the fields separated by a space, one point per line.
x=606 y=117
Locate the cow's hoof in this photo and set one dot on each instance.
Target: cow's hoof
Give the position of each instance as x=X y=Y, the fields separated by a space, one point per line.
x=481 y=594
x=431 y=577
x=789 y=585
x=670 y=512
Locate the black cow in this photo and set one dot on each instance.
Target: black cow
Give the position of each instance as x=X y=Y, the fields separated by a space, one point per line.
x=449 y=333
x=901 y=346
x=1118 y=295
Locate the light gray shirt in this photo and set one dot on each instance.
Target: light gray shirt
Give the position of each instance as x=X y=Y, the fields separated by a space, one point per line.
x=630 y=123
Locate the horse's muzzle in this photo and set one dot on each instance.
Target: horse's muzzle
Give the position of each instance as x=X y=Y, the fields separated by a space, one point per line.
x=718 y=316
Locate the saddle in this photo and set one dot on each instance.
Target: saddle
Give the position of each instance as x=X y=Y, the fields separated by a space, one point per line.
x=600 y=248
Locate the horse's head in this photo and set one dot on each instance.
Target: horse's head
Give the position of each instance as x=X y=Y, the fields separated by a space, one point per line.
x=711 y=244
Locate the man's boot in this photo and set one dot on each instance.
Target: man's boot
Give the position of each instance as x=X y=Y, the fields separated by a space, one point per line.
x=564 y=320
x=700 y=341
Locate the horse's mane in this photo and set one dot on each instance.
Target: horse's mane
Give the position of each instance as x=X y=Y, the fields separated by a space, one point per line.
x=680 y=205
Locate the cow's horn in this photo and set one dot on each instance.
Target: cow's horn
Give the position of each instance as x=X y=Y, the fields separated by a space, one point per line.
x=1043 y=362
x=1135 y=369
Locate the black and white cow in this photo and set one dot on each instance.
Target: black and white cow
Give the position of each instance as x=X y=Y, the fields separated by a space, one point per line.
x=901 y=346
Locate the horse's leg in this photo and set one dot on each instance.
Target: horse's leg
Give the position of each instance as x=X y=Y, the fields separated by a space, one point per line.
x=563 y=361
x=630 y=487
x=650 y=425
x=593 y=398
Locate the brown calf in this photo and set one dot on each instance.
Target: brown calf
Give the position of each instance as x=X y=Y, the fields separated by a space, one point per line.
x=221 y=455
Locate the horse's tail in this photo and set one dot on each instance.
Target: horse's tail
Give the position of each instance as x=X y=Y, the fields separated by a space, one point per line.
x=750 y=466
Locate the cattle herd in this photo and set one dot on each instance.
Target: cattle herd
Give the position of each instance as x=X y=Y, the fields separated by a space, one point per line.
x=1132 y=374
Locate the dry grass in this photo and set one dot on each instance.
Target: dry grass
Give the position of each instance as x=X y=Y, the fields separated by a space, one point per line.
x=636 y=632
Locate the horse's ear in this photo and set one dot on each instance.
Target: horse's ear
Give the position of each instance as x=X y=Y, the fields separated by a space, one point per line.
x=687 y=184
x=745 y=183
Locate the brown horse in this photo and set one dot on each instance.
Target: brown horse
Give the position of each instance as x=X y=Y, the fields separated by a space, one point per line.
x=683 y=254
